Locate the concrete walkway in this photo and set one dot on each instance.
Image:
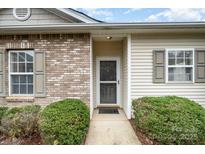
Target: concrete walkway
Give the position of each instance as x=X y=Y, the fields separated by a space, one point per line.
x=111 y=129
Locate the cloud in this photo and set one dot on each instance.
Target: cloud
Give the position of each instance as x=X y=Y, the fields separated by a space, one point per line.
x=108 y=18
x=99 y=13
x=153 y=18
x=93 y=12
x=131 y=10
x=176 y=15
x=147 y=15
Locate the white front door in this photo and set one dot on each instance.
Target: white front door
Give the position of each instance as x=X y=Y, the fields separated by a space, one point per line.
x=108 y=80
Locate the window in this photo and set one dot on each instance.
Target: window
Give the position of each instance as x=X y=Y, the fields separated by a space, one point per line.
x=21 y=72
x=180 y=65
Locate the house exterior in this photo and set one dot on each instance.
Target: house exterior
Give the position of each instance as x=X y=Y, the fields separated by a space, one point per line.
x=52 y=54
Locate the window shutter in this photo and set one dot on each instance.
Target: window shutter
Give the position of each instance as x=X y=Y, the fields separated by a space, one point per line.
x=159 y=66
x=200 y=65
x=2 y=83
x=40 y=74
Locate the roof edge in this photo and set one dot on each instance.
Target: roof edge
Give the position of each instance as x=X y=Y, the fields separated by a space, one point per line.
x=87 y=16
x=78 y=15
x=111 y=27
x=118 y=25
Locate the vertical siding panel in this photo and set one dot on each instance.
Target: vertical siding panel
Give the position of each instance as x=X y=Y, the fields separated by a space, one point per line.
x=40 y=74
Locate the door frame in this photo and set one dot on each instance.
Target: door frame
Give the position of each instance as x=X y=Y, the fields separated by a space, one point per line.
x=117 y=59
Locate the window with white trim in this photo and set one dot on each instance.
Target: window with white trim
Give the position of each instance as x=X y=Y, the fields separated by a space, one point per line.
x=180 y=65
x=21 y=72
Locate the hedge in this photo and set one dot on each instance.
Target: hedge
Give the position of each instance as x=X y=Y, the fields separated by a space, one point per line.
x=64 y=122
x=170 y=119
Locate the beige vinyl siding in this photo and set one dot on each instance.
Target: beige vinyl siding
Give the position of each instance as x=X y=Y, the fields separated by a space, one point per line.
x=37 y=16
x=105 y=49
x=142 y=66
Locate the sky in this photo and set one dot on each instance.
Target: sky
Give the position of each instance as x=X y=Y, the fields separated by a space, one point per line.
x=145 y=14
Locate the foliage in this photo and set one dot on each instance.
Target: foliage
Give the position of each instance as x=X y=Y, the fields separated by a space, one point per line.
x=64 y=122
x=170 y=119
x=2 y=111
x=20 y=121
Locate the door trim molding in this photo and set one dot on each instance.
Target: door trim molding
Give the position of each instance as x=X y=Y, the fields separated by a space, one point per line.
x=101 y=58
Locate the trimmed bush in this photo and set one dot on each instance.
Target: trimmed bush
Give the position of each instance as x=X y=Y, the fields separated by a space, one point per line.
x=170 y=119
x=2 y=111
x=20 y=121
x=64 y=122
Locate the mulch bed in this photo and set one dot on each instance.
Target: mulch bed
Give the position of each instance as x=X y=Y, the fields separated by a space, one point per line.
x=35 y=139
x=141 y=136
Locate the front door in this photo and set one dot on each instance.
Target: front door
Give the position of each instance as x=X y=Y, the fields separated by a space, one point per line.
x=108 y=81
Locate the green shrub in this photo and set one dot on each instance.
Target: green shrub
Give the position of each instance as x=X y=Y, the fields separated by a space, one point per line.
x=170 y=119
x=64 y=122
x=2 y=111
x=20 y=121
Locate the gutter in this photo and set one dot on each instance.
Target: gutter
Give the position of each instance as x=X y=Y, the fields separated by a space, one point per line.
x=112 y=25
x=88 y=27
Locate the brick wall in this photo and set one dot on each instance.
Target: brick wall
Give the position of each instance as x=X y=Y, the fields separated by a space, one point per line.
x=67 y=64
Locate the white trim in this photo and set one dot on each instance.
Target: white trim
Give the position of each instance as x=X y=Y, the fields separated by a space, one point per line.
x=108 y=81
x=20 y=73
x=100 y=34
x=9 y=77
x=129 y=101
x=100 y=28
x=77 y=15
x=179 y=66
x=131 y=26
x=193 y=66
x=91 y=78
x=117 y=59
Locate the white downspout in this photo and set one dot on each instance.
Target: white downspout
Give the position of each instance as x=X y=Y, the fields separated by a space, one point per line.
x=91 y=77
x=129 y=105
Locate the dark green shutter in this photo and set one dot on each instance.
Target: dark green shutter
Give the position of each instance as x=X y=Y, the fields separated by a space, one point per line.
x=40 y=74
x=200 y=65
x=2 y=73
x=159 y=66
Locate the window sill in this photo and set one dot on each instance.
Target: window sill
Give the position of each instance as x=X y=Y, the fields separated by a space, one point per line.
x=20 y=99
x=183 y=82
